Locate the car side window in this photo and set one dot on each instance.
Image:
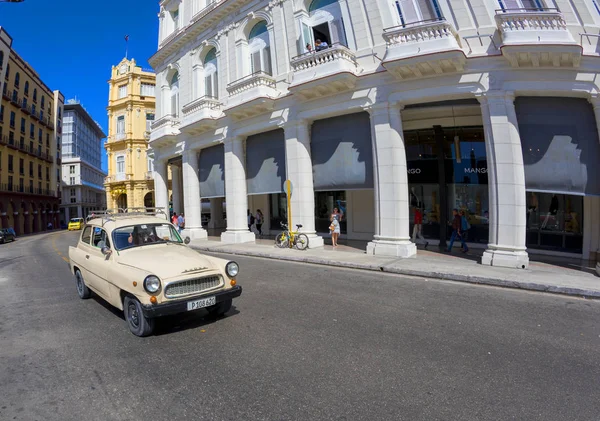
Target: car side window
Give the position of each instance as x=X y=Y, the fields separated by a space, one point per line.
x=100 y=239
x=86 y=235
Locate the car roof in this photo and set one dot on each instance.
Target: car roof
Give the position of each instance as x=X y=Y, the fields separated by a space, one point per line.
x=111 y=223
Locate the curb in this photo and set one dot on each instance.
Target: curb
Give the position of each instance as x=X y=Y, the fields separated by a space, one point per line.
x=529 y=286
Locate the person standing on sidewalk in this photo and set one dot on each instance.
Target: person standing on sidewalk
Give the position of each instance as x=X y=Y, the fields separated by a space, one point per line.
x=181 y=222
x=336 y=218
x=456 y=232
x=258 y=221
x=417 y=229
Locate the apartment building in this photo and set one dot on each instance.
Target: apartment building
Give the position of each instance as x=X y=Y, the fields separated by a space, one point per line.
x=82 y=174
x=30 y=153
x=389 y=111
x=131 y=110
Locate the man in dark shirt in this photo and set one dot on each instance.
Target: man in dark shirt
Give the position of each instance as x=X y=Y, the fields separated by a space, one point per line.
x=456 y=225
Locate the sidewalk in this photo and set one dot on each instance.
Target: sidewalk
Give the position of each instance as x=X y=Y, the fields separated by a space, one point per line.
x=564 y=277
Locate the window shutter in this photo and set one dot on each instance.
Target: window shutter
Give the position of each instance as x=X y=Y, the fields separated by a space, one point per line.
x=216 y=86
x=255 y=59
x=336 y=30
x=307 y=38
x=267 y=60
x=428 y=12
x=208 y=86
x=409 y=13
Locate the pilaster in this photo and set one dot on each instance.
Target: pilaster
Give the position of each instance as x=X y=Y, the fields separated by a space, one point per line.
x=506 y=178
x=392 y=236
x=176 y=188
x=161 y=185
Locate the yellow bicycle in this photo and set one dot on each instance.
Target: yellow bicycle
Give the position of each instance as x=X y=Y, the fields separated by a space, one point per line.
x=291 y=239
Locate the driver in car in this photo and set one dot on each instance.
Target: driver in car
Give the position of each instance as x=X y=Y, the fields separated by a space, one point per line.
x=141 y=236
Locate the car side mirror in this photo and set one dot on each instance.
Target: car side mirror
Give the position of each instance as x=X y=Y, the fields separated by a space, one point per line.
x=187 y=240
x=106 y=251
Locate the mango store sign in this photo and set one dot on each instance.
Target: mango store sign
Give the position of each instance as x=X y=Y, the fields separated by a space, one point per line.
x=469 y=170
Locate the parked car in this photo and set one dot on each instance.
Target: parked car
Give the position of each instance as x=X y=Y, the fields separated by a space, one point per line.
x=75 y=224
x=7 y=234
x=140 y=264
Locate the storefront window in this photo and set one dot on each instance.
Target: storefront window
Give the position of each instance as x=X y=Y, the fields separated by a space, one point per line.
x=555 y=222
x=324 y=204
x=278 y=204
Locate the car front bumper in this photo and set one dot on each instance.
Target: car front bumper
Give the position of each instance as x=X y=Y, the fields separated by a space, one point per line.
x=151 y=311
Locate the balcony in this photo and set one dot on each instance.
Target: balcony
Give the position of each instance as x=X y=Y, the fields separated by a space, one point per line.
x=14 y=100
x=25 y=108
x=251 y=95
x=117 y=178
x=165 y=130
x=421 y=49
x=7 y=187
x=200 y=115
x=537 y=38
x=322 y=73
x=6 y=95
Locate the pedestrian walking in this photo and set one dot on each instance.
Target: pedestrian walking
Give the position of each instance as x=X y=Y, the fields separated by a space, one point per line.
x=456 y=232
x=250 y=220
x=181 y=222
x=175 y=220
x=464 y=225
x=418 y=228
x=258 y=221
x=335 y=218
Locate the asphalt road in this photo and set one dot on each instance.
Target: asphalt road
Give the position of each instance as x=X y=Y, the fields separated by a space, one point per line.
x=302 y=343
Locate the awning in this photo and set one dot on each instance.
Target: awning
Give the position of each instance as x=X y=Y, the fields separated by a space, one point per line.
x=212 y=172
x=265 y=162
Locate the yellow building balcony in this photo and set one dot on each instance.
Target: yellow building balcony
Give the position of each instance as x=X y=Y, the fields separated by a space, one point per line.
x=200 y=115
x=326 y=72
x=421 y=49
x=537 y=38
x=117 y=178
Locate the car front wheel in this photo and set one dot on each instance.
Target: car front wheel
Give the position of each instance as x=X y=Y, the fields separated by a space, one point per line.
x=138 y=324
x=221 y=308
x=82 y=290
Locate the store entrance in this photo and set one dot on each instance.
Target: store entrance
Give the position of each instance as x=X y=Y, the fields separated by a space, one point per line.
x=447 y=169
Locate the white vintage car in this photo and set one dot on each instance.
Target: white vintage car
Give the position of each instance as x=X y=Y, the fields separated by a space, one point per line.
x=139 y=264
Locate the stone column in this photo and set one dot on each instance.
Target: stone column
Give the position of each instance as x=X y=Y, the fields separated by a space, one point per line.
x=506 y=178
x=236 y=197
x=191 y=196
x=298 y=164
x=392 y=236
x=176 y=189
x=216 y=213
x=161 y=185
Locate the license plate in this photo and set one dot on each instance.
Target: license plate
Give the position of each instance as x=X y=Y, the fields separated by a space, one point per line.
x=204 y=302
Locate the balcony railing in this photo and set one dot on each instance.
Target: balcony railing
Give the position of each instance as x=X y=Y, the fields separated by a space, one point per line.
x=169 y=119
x=333 y=53
x=199 y=15
x=530 y=20
x=6 y=187
x=120 y=136
x=205 y=102
x=428 y=30
x=255 y=80
x=116 y=178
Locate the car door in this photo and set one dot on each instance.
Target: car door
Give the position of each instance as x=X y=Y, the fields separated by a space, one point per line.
x=80 y=255
x=98 y=262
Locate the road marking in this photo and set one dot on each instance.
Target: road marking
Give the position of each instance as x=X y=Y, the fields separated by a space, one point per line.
x=66 y=259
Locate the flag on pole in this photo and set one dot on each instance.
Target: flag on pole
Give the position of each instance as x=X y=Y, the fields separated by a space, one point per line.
x=126 y=38
x=126 y=45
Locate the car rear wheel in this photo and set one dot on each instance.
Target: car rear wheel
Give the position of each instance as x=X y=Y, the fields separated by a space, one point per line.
x=220 y=309
x=82 y=290
x=137 y=323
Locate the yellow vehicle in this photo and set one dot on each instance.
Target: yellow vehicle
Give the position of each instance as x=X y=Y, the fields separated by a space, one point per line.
x=75 y=224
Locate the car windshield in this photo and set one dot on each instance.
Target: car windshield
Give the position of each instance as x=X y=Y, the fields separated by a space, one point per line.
x=76 y=220
x=144 y=234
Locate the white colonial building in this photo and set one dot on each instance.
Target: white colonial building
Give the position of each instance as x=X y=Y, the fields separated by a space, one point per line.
x=82 y=174
x=413 y=107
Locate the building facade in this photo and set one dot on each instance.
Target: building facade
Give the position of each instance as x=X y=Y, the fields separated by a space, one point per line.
x=30 y=132
x=82 y=175
x=386 y=110
x=131 y=110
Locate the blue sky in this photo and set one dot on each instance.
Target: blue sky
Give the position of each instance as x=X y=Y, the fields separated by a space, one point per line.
x=72 y=44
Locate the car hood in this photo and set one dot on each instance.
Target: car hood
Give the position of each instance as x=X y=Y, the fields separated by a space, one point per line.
x=167 y=260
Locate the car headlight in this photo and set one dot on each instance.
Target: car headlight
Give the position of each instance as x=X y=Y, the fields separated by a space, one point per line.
x=152 y=284
x=232 y=269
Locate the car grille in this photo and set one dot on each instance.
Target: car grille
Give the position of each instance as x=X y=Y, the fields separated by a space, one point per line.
x=192 y=286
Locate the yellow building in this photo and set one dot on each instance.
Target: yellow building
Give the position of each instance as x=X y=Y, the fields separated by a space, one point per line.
x=30 y=130
x=131 y=108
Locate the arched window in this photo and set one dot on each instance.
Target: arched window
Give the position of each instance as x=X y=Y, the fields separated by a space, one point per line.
x=324 y=27
x=260 y=48
x=34 y=94
x=211 y=74
x=17 y=79
x=26 y=88
x=175 y=94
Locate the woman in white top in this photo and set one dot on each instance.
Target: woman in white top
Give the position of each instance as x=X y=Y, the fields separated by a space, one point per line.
x=336 y=217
